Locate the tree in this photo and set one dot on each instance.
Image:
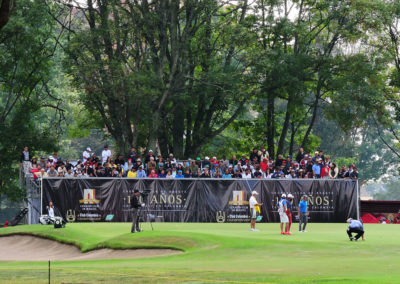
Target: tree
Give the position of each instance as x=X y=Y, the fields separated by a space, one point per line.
x=7 y=7
x=27 y=45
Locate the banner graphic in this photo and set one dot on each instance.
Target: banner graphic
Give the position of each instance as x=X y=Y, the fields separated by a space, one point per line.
x=196 y=200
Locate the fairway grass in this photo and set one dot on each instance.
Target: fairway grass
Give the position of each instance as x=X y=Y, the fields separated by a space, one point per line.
x=217 y=253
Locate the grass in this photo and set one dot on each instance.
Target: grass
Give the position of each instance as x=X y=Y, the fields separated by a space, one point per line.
x=218 y=253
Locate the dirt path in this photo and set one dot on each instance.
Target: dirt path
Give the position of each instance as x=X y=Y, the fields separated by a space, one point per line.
x=28 y=248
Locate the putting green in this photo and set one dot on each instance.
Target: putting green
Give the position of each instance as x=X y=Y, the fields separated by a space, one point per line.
x=218 y=253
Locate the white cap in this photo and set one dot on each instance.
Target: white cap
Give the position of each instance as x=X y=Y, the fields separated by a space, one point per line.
x=150 y=151
x=207 y=158
x=88 y=148
x=283 y=195
x=51 y=158
x=254 y=192
x=289 y=195
x=214 y=158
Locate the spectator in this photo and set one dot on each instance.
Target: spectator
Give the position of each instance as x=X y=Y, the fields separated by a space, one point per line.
x=153 y=174
x=132 y=155
x=279 y=161
x=334 y=171
x=226 y=174
x=187 y=174
x=217 y=174
x=206 y=162
x=179 y=174
x=237 y=174
x=316 y=169
x=254 y=155
x=263 y=153
x=141 y=173
x=233 y=161
x=149 y=156
x=128 y=165
x=169 y=175
x=354 y=174
x=247 y=174
x=120 y=160
x=194 y=168
x=257 y=173
x=105 y=154
x=69 y=173
x=86 y=154
x=292 y=174
x=25 y=160
x=52 y=172
x=55 y=157
x=131 y=173
x=325 y=171
x=300 y=155
x=205 y=174
x=278 y=173
x=162 y=174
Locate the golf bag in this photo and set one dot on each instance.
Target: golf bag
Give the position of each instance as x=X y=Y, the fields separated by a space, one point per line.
x=19 y=217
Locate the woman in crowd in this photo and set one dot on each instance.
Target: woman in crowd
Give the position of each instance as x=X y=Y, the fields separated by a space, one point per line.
x=169 y=174
x=333 y=173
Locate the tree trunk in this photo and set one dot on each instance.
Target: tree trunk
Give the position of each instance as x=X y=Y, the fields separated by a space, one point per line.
x=292 y=135
x=312 y=121
x=271 y=124
x=285 y=127
x=178 y=129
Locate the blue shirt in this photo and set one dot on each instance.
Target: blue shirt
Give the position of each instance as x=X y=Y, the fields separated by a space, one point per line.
x=141 y=174
x=355 y=224
x=317 y=169
x=179 y=176
x=226 y=176
x=303 y=206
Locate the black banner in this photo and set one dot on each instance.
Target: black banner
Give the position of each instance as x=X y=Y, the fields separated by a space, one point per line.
x=197 y=200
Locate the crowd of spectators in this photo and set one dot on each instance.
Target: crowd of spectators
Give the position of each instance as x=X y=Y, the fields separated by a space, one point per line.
x=257 y=164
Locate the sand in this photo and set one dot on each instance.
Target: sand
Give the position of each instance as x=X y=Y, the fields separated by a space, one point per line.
x=29 y=248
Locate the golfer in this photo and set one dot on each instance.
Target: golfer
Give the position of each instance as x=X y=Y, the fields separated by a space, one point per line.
x=303 y=213
x=289 y=203
x=282 y=209
x=355 y=226
x=136 y=206
x=253 y=213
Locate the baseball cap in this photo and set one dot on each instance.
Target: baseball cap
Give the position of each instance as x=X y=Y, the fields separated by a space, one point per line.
x=198 y=158
x=289 y=195
x=88 y=148
x=254 y=192
x=179 y=171
x=283 y=195
x=150 y=151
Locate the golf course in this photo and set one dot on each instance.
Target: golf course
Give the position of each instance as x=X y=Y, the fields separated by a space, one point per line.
x=214 y=253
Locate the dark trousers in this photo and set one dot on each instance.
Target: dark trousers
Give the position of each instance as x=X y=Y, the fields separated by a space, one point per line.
x=135 y=220
x=303 y=219
x=359 y=232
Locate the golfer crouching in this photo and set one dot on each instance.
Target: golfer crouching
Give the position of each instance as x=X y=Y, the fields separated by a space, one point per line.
x=355 y=226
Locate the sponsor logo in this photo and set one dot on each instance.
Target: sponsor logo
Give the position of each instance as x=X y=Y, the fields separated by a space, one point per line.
x=89 y=197
x=70 y=215
x=220 y=217
x=239 y=198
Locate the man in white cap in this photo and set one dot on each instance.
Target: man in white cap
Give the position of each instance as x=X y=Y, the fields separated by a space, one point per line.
x=282 y=209
x=86 y=154
x=253 y=213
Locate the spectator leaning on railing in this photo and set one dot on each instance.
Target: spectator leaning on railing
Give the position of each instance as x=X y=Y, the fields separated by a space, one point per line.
x=257 y=165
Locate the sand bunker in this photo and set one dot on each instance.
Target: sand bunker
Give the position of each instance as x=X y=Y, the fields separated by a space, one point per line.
x=28 y=248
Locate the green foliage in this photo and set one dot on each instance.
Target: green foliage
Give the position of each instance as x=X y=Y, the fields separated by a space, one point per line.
x=26 y=49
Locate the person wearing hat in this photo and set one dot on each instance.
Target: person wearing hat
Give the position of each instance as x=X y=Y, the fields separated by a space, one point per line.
x=289 y=203
x=140 y=172
x=179 y=174
x=105 y=154
x=303 y=213
x=282 y=210
x=253 y=213
x=136 y=205
x=355 y=226
x=86 y=154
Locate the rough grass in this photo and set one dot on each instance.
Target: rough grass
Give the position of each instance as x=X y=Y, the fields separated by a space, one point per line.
x=218 y=253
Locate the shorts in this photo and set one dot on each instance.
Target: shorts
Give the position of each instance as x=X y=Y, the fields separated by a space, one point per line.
x=284 y=218
x=253 y=214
